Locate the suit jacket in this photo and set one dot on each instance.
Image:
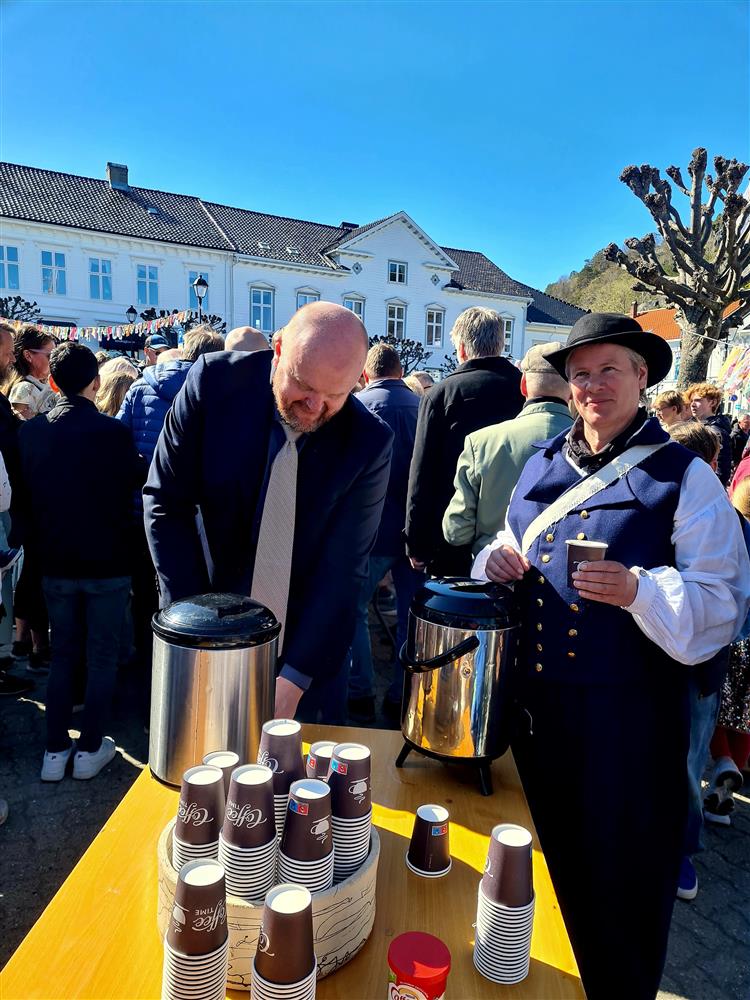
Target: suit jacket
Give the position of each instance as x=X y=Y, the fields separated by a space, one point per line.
x=212 y=457
x=489 y=468
x=394 y=402
x=478 y=393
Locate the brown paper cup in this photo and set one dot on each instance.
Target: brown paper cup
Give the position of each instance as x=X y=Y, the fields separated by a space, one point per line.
x=285 y=945
x=249 y=817
x=281 y=750
x=308 y=835
x=508 y=875
x=583 y=551
x=349 y=778
x=200 y=813
x=319 y=759
x=429 y=850
x=226 y=761
x=198 y=924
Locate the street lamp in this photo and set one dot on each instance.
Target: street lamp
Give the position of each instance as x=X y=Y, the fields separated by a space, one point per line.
x=132 y=315
x=200 y=287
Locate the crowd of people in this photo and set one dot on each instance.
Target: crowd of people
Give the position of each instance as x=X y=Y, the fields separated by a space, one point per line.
x=312 y=473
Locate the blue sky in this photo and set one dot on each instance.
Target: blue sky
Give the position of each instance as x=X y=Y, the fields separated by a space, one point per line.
x=497 y=127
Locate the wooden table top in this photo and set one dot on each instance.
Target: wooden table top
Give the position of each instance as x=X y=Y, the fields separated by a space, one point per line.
x=98 y=940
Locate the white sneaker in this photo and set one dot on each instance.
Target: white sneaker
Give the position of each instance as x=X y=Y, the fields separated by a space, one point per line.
x=54 y=764
x=88 y=765
x=726 y=775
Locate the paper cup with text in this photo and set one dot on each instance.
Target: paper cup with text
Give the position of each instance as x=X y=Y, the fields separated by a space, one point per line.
x=200 y=813
x=350 y=779
x=429 y=851
x=198 y=925
x=508 y=875
x=308 y=833
x=281 y=750
x=226 y=761
x=285 y=946
x=319 y=759
x=580 y=550
x=249 y=819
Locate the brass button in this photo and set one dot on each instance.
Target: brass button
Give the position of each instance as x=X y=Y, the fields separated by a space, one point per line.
x=539 y=601
x=538 y=667
x=574 y=607
x=540 y=579
x=539 y=626
x=550 y=538
x=584 y=514
x=539 y=647
x=546 y=558
x=572 y=633
x=572 y=655
x=580 y=536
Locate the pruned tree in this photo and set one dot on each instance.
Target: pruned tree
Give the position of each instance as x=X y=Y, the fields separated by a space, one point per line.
x=450 y=364
x=413 y=354
x=711 y=252
x=16 y=307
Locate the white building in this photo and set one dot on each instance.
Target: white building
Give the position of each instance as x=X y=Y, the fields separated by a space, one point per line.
x=86 y=250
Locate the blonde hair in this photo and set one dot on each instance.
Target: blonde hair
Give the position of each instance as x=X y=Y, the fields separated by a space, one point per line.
x=669 y=398
x=741 y=498
x=113 y=389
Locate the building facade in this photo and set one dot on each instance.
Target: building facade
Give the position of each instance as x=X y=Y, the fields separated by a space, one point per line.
x=87 y=249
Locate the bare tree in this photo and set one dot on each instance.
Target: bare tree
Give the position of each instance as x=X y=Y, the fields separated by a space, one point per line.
x=711 y=252
x=411 y=352
x=15 y=307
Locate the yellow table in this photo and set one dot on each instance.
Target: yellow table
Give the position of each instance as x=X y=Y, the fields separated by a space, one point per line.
x=97 y=939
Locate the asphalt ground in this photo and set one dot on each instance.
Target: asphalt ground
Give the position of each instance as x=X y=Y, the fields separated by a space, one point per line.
x=50 y=826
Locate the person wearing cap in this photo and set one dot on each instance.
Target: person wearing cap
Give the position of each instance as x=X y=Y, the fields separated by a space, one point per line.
x=153 y=346
x=492 y=459
x=90 y=459
x=602 y=653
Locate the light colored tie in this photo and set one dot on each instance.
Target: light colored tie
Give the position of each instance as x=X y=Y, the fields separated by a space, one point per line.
x=273 y=558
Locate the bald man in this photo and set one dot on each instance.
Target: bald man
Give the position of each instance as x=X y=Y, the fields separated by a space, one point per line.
x=245 y=338
x=230 y=423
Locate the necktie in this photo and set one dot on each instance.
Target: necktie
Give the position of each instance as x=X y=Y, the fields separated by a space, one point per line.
x=273 y=558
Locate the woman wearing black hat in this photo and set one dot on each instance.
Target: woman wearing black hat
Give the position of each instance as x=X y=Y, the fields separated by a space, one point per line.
x=603 y=759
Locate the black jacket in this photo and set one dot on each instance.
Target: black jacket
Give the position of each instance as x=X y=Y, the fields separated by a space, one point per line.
x=720 y=423
x=78 y=472
x=478 y=393
x=213 y=454
x=738 y=439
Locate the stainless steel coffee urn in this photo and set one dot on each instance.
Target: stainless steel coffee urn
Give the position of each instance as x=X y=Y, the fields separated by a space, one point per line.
x=212 y=680
x=459 y=661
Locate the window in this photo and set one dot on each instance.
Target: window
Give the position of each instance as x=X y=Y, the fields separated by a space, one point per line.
x=508 y=331
x=434 y=333
x=304 y=297
x=261 y=309
x=8 y=267
x=53 y=273
x=100 y=278
x=148 y=284
x=357 y=306
x=192 y=297
x=397 y=272
x=396 y=321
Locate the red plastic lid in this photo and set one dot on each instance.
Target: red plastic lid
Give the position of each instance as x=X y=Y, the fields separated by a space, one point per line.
x=421 y=960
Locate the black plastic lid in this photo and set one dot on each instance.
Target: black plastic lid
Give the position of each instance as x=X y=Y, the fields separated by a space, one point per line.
x=216 y=621
x=457 y=602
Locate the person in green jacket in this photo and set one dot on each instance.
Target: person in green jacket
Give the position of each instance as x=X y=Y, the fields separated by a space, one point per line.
x=492 y=459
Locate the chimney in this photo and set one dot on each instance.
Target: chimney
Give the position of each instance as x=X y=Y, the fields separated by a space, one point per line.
x=350 y=225
x=117 y=175
x=634 y=310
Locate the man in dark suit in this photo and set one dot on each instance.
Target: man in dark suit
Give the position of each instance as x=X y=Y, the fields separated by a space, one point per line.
x=485 y=389
x=232 y=424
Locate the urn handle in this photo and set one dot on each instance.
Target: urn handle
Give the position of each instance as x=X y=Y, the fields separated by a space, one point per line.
x=441 y=660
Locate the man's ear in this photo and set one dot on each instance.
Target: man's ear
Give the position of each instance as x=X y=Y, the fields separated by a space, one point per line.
x=97 y=383
x=53 y=385
x=277 y=344
x=524 y=391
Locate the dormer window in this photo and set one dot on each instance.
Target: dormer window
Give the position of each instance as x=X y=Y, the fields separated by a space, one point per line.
x=294 y=251
x=264 y=247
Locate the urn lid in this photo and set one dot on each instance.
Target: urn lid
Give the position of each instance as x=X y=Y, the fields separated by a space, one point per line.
x=457 y=602
x=216 y=621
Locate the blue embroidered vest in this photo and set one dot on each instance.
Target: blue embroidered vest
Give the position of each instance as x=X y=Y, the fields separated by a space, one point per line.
x=563 y=636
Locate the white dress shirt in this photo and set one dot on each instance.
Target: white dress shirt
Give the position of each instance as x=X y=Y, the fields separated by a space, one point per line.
x=696 y=607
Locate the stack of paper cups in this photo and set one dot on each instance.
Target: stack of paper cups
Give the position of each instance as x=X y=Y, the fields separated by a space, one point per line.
x=285 y=966
x=247 y=843
x=351 y=807
x=200 y=815
x=281 y=750
x=306 y=853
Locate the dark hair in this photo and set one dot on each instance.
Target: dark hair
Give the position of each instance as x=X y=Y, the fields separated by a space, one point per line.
x=73 y=367
x=28 y=338
x=383 y=361
x=201 y=340
x=695 y=436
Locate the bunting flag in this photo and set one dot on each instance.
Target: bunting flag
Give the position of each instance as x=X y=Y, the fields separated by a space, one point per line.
x=735 y=372
x=124 y=331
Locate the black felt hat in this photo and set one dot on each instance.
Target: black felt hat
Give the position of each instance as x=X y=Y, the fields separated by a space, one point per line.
x=612 y=328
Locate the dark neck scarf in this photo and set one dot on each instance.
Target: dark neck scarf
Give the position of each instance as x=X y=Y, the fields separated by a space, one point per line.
x=580 y=452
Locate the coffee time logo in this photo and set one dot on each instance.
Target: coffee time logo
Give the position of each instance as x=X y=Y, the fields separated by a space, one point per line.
x=244 y=815
x=192 y=814
x=271 y=762
x=208 y=918
x=264 y=944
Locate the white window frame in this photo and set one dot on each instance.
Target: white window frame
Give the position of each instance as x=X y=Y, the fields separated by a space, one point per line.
x=399 y=322
x=99 y=274
x=433 y=326
x=356 y=304
x=305 y=295
x=6 y=265
x=148 y=304
x=271 y=307
x=398 y=264
x=55 y=270
x=508 y=327
x=192 y=276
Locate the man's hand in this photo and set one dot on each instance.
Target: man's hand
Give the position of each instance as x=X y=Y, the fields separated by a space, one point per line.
x=505 y=564
x=287 y=698
x=417 y=565
x=607 y=582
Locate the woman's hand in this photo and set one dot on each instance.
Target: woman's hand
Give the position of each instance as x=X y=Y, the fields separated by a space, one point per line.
x=505 y=564
x=607 y=582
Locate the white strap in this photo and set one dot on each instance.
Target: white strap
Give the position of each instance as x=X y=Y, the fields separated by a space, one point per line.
x=586 y=489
